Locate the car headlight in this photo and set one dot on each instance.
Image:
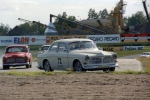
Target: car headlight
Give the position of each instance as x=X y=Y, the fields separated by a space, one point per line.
x=87 y=57
x=114 y=55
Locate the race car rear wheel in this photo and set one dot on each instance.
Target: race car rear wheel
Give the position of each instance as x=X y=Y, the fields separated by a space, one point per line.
x=78 y=66
x=47 y=66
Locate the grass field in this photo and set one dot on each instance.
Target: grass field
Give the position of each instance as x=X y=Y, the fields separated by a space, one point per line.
x=145 y=63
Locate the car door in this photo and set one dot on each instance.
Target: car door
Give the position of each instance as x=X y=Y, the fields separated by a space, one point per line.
x=62 y=60
x=51 y=55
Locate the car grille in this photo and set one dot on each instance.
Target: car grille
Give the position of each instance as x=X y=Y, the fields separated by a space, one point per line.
x=15 y=60
x=107 y=60
x=10 y=60
x=20 y=59
x=98 y=60
x=95 y=60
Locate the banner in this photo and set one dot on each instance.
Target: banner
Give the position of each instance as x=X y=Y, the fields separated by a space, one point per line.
x=134 y=37
x=28 y=40
x=50 y=39
x=133 y=48
x=105 y=38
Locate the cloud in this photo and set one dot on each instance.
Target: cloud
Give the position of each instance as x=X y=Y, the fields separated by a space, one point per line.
x=135 y=2
x=39 y=10
x=73 y=7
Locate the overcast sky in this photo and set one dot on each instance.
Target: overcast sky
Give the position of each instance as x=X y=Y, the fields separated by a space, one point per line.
x=39 y=10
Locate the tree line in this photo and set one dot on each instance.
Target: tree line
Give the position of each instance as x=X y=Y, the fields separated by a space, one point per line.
x=135 y=19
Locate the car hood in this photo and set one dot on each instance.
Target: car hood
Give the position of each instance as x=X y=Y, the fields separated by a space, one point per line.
x=91 y=52
x=15 y=54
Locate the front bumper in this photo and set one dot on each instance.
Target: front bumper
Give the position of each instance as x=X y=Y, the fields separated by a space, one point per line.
x=100 y=66
x=16 y=64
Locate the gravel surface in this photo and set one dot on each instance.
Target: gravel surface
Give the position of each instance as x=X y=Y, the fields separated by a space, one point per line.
x=75 y=86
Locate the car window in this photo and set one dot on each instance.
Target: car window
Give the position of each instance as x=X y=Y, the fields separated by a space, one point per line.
x=62 y=47
x=24 y=49
x=54 y=47
x=82 y=45
x=45 y=48
x=16 y=49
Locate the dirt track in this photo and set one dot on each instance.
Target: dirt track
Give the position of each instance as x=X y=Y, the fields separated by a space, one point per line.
x=76 y=86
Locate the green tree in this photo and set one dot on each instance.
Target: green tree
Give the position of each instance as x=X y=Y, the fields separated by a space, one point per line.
x=61 y=22
x=101 y=14
x=72 y=18
x=33 y=27
x=136 y=19
x=4 y=29
x=92 y=14
x=104 y=14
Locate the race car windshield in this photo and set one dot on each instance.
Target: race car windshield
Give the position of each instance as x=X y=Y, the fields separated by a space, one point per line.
x=80 y=45
x=145 y=54
x=16 y=49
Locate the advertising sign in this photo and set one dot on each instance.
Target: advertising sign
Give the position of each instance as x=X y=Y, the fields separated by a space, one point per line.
x=135 y=37
x=105 y=38
x=133 y=48
x=50 y=39
x=37 y=40
x=28 y=40
x=111 y=48
x=6 y=40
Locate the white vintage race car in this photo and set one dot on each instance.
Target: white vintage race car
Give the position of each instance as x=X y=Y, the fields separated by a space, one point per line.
x=76 y=54
x=145 y=54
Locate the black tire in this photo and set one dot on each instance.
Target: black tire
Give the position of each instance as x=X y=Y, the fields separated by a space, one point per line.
x=29 y=65
x=6 y=67
x=112 y=69
x=78 y=66
x=106 y=70
x=47 y=66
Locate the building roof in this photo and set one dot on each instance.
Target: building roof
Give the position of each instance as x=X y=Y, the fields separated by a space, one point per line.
x=17 y=31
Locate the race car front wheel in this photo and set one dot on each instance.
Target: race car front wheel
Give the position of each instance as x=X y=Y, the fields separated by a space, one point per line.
x=47 y=66
x=78 y=66
x=5 y=67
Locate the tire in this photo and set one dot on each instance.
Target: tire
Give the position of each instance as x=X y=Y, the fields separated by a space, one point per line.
x=112 y=69
x=29 y=65
x=106 y=70
x=78 y=67
x=47 y=66
x=6 y=67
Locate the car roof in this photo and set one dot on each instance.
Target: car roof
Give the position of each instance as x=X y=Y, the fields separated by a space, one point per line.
x=20 y=45
x=73 y=40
